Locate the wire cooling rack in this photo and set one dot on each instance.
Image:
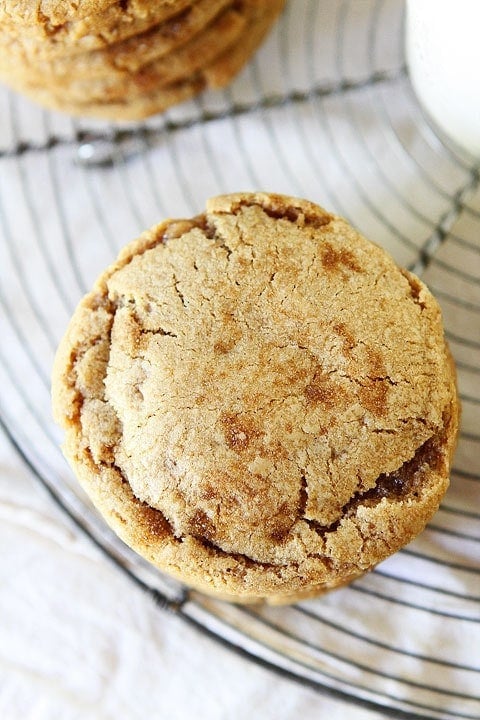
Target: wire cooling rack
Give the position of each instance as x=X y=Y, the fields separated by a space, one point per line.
x=325 y=111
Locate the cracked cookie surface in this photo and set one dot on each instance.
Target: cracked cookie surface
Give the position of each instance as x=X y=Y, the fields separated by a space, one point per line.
x=259 y=400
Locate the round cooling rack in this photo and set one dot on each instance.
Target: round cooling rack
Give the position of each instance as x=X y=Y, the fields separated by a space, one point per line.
x=324 y=111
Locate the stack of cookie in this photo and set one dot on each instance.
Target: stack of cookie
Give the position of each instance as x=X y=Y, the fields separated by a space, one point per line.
x=127 y=59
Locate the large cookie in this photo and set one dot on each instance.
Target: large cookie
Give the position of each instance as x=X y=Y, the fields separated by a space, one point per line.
x=127 y=109
x=116 y=83
x=128 y=55
x=116 y=22
x=41 y=12
x=219 y=72
x=258 y=400
x=147 y=92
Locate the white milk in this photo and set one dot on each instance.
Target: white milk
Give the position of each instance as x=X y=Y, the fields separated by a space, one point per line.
x=443 y=55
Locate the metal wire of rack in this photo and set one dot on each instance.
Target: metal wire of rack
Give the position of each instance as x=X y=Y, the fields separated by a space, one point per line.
x=325 y=111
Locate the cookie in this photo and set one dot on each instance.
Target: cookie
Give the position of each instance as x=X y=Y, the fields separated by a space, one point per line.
x=219 y=73
x=127 y=109
x=142 y=49
x=116 y=23
x=115 y=83
x=146 y=92
x=146 y=37
x=258 y=400
x=49 y=12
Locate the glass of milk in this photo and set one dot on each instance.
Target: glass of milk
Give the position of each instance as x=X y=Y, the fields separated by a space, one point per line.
x=443 y=56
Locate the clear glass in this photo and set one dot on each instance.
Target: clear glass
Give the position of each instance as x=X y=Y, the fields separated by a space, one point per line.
x=443 y=55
